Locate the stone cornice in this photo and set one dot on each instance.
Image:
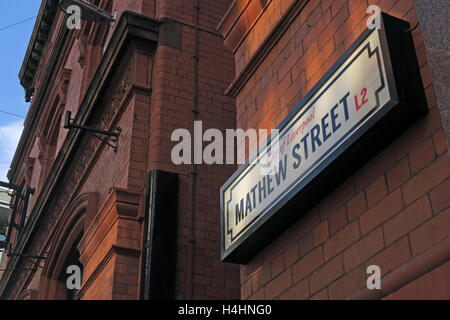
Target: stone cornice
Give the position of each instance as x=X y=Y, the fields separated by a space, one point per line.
x=38 y=41
x=57 y=54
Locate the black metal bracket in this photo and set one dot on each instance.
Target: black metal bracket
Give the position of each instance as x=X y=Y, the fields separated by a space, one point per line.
x=18 y=269
x=23 y=255
x=17 y=197
x=111 y=139
x=9 y=253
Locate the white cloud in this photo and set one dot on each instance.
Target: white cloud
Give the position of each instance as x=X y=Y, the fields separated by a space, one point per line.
x=9 y=138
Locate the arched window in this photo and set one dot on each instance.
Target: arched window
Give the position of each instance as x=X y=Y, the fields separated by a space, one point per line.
x=63 y=292
x=63 y=252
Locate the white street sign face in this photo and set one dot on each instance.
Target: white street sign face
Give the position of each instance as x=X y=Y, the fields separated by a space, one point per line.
x=309 y=140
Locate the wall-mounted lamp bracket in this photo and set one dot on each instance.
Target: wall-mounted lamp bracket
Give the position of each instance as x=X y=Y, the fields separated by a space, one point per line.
x=9 y=253
x=18 y=196
x=89 y=11
x=26 y=256
x=111 y=137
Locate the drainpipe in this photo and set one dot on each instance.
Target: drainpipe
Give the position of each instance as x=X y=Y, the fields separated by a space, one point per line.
x=146 y=248
x=194 y=167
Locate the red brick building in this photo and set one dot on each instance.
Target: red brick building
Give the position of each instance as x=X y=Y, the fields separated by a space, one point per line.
x=143 y=227
x=394 y=211
x=161 y=66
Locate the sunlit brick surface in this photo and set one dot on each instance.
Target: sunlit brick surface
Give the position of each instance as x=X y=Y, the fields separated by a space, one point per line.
x=386 y=213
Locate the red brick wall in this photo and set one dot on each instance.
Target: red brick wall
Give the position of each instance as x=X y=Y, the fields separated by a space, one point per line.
x=145 y=145
x=171 y=108
x=386 y=213
x=157 y=99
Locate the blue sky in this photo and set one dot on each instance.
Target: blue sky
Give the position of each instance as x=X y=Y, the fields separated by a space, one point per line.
x=14 y=42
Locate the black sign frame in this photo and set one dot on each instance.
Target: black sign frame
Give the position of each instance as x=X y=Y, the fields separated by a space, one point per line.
x=407 y=104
